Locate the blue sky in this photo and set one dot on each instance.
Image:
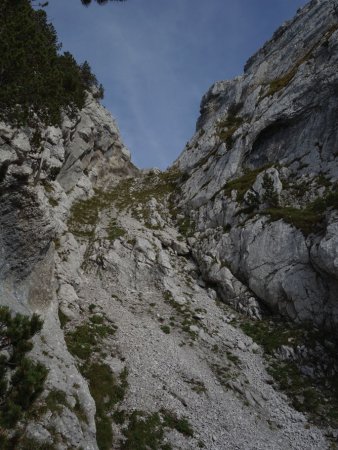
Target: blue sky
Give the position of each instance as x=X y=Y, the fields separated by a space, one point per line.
x=156 y=58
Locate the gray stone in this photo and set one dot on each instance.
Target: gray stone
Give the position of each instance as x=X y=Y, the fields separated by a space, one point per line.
x=289 y=132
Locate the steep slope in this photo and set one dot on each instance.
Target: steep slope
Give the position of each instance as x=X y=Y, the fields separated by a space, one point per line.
x=39 y=183
x=261 y=174
x=128 y=268
x=183 y=374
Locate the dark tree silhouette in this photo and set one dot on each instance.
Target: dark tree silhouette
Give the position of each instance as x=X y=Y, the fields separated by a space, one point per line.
x=100 y=2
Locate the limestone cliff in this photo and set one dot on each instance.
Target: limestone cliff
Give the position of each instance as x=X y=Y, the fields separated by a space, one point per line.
x=261 y=174
x=128 y=268
x=40 y=179
x=43 y=172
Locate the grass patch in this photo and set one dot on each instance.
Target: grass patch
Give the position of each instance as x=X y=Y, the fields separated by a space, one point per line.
x=197 y=386
x=283 y=81
x=304 y=219
x=186 y=227
x=306 y=395
x=280 y=83
x=107 y=390
x=186 y=315
x=84 y=214
x=228 y=127
x=243 y=183
x=119 y=417
x=82 y=341
x=181 y=425
x=146 y=432
x=86 y=338
x=114 y=231
x=223 y=374
x=79 y=411
x=315 y=395
x=56 y=400
x=233 y=358
x=272 y=336
x=92 y=307
x=308 y=219
x=54 y=203
x=24 y=443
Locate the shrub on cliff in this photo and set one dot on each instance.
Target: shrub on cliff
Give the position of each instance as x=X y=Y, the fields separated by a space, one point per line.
x=21 y=379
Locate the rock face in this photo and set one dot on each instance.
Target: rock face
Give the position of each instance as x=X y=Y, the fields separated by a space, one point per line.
x=43 y=172
x=39 y=182
x=126 y=267
x=261 y=172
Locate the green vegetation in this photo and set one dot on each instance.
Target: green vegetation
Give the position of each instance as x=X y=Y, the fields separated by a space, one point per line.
x=165 y=329
x=37 y=81
x=53 y=202
x=227 y=128
x=119 y=417
x=79 y=411
x=197 y=386
x=82 y=341
x=107 y=391
x=21 y=379
x=18 y=442
x=272 y=336
x=304 y=219
x=186 y=316
x=186 y=227
x=86 y=338
x=270 y=196
x=85 y=213
x=317 y=395
x=144 y=433
x=147 y=432
x=92 y=307
x=224 y=374
x=310 y=218
x=114 y=231
x=55 y=401
x=63 y=318
x=243 y=183
x=280 y=83
x=181 y=425
x=233 y=358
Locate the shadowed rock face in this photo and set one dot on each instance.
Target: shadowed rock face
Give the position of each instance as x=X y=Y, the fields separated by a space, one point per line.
x=282 y=113
x=79 y=155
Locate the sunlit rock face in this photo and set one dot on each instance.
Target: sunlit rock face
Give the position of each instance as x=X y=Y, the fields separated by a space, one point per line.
x=278 y=120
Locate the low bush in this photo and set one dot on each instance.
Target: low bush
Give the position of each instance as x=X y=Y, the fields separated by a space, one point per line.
x=21 y=379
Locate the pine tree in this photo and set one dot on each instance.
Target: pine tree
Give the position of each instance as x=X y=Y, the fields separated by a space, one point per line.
x=21 y=379
x=36 y=81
